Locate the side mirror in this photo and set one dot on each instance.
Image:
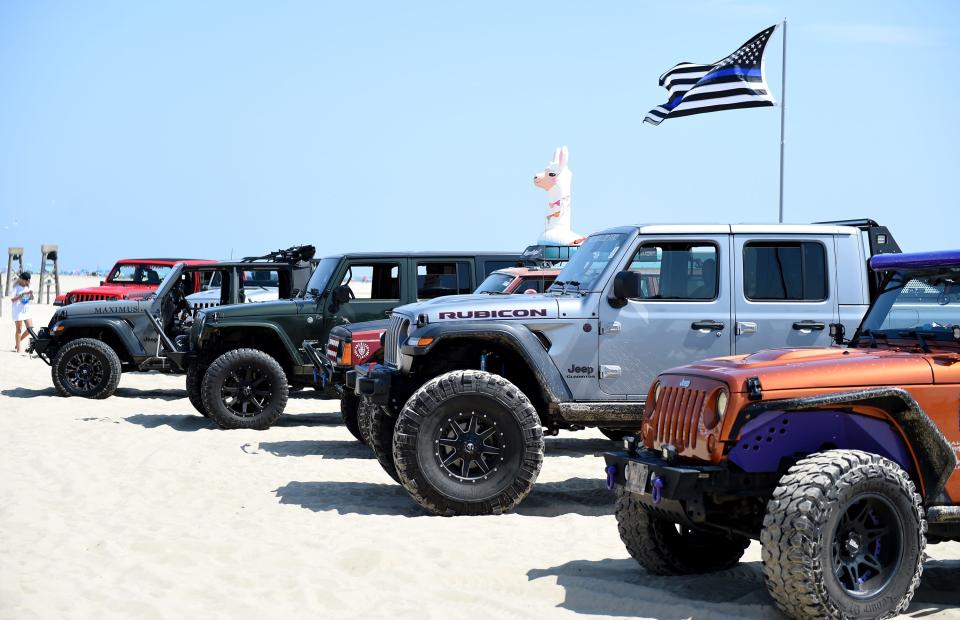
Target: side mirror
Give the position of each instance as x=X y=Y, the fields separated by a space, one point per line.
x=837 y=332
x=626 y=285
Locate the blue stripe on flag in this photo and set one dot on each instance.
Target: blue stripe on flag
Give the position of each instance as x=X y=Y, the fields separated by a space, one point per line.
x=731 y=71
x=673 y=102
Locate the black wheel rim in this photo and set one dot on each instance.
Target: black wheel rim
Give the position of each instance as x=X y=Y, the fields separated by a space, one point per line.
x=469 y=447
x=246 y=391
x=84 y=372
x=867 y=546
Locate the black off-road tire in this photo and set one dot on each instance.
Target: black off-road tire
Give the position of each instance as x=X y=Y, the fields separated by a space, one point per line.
x=665 y=548
x=365 y=410
x=506 y=435
x=804 y=543
x=380 y=436
x=349 y=404
x=194 y=383
x=245 y=368
x=87 y=368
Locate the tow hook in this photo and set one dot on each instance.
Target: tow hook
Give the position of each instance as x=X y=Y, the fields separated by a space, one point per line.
x=657 y=485
x=611 y=476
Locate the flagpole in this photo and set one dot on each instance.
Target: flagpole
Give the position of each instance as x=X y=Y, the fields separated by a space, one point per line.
x=783 y=111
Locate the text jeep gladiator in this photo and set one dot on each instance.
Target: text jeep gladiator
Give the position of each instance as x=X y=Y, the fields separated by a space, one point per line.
x=469 y=382
x=841 y=461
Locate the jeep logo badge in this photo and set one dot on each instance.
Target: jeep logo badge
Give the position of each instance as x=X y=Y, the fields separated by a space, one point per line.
x=684 y=383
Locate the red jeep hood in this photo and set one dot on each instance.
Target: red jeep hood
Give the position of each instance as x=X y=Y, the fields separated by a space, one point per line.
x=113 y=289
x=787 y=369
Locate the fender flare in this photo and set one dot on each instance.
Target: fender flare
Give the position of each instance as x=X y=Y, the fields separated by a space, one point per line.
x=281 y=335
x=518 y=338
x=119 y=327
x=934 y=458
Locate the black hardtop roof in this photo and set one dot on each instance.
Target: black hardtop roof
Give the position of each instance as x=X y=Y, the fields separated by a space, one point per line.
x=432 y=254
x=156 y=260
x=244 y=265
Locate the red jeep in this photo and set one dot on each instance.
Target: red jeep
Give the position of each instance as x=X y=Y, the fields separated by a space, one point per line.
x=130 y=278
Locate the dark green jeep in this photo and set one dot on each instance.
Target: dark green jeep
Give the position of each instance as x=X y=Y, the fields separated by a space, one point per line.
x=249 y=355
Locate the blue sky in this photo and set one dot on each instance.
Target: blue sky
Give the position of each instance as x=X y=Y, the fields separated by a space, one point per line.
x=201 y=128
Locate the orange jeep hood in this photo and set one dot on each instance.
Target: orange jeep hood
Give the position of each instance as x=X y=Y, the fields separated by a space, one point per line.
x=833 y=367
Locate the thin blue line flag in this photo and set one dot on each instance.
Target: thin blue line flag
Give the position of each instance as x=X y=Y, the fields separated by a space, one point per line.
x=735 y=82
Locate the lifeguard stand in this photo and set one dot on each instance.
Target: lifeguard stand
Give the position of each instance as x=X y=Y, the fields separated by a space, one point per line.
x=49 y=267
x=13 y=254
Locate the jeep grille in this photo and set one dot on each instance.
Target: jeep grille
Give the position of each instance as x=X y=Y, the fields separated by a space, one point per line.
x=676 y=417
x=78 y=297
x=399 y=326
x=333 y=349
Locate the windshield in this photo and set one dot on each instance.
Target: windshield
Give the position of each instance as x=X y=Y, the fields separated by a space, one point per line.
x=590 y=261
x=321 y=275
x=141 y=273
x=919 y=306
x=495 y=284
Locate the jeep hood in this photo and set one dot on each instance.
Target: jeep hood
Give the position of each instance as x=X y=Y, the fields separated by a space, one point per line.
x=103 y=308
x=480 y=307
x=263 y=308
x=834 y=367
x=118 y=290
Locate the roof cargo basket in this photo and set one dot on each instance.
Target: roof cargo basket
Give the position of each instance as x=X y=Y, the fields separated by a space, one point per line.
x=546 y=255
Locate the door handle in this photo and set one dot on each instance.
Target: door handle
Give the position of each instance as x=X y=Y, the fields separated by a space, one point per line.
x=746 y=327
x=809 y=326
x=612 y=328
x=707 y=326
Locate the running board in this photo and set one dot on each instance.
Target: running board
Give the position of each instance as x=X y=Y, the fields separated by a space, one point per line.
x=619 y=413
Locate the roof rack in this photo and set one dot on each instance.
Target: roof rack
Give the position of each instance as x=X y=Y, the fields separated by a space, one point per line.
x=881 y=241
x=546 y=255
x=292 y=255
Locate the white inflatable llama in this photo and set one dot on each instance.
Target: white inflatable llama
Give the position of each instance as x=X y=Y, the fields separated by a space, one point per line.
x=556 y=179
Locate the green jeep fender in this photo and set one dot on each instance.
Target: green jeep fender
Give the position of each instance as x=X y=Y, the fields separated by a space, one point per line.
x=221 y=328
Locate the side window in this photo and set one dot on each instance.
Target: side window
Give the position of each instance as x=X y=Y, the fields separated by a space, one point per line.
x=492 y=265
x=784 y=271
x=376 y=281
x=527 y=284
x=677 y=271
x=435 y=279
x=261 y=279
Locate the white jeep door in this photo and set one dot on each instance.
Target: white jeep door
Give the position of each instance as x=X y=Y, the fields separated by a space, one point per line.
x=785 y=291
x=684 y=313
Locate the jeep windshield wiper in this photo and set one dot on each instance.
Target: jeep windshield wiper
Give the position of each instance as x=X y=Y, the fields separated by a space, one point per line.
x=874 y=335
x=920 y=336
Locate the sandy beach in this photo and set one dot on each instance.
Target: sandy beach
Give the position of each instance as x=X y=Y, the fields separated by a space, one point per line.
x=136 y=506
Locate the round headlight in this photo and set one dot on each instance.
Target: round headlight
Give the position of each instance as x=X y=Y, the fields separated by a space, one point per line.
x=723 y=399
x=73 y=298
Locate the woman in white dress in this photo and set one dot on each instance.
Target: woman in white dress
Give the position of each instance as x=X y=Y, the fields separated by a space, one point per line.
x=22 y=298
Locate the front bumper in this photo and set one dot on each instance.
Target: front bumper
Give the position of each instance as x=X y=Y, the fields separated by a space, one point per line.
x=373 y=382
x=325 y=372
x=39 y=343
x=682 y=491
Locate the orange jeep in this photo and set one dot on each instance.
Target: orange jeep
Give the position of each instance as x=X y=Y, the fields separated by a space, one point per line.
x=842 y=461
